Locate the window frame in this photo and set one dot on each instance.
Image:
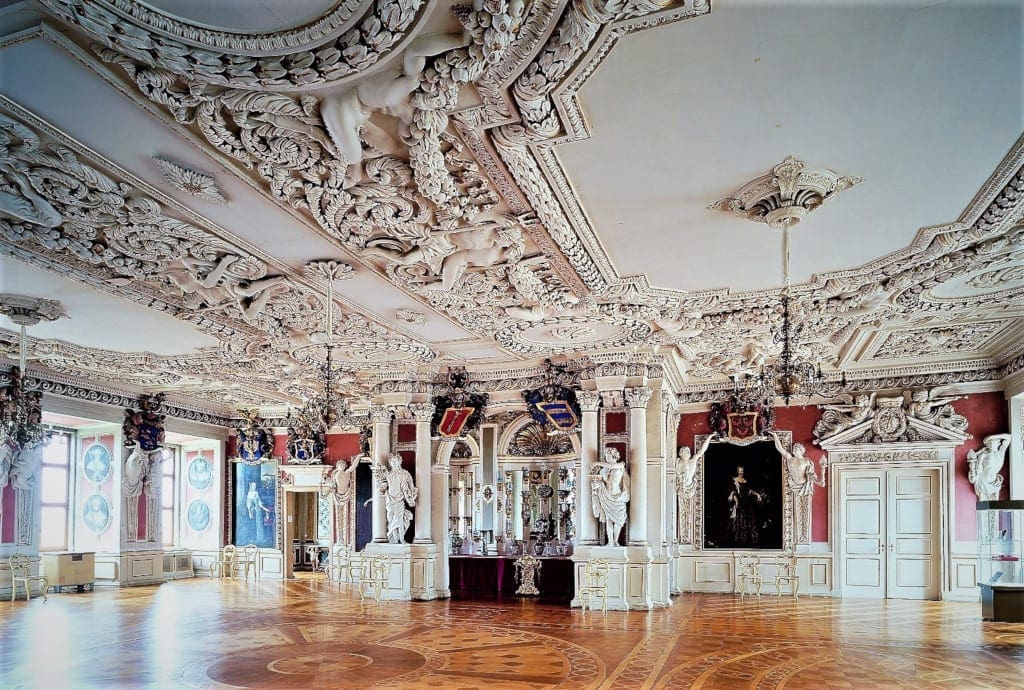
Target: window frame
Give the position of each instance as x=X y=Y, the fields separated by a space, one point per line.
x=70 y=475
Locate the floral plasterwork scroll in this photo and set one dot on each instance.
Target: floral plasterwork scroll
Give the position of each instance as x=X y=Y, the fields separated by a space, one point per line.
x=198 y=184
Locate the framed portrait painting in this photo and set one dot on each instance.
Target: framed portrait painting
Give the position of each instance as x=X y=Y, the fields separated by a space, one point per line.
x=255 y=494
x=743 y=496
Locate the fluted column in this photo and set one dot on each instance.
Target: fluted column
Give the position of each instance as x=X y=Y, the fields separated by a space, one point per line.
x=589 y=402
x=637 y=399
x=422 y=413
x=381 y=417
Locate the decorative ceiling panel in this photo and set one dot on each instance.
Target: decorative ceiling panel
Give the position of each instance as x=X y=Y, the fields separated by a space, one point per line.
x=423 y=147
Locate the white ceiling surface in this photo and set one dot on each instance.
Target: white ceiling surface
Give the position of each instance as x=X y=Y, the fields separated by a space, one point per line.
x=922 y=103
x=245 y=15
x=87 y=108
x=97 y=319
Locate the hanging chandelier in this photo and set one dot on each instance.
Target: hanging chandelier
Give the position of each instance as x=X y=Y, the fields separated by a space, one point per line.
x=21 y=408
x=307 y=435
x=781 y=199
x=790 y=375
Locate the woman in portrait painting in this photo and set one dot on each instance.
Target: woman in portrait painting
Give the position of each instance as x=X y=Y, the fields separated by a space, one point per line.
x=744 y=503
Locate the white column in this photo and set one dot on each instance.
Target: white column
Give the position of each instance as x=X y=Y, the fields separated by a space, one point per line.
x=422 y=413
x=637 y=399
x=381 y=417
x=671 y=433
x=589 y=402
x=439 y=480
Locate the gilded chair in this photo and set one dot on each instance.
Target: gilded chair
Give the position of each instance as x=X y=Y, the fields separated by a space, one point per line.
x=375 y=577
x=748 y=574
x=225 y=563
x=21 y=572
x=341 y=556
x=594 y=584
x=786 y=573
x=247 y=561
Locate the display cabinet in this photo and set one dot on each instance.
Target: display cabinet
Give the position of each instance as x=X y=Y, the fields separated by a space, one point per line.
x=1000 y=550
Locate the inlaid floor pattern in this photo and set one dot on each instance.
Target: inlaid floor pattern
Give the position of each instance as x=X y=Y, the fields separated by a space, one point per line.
x=312 y=634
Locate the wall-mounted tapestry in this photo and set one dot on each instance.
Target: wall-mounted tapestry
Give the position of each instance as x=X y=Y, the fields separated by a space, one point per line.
x=743 y=497
x=255 y=510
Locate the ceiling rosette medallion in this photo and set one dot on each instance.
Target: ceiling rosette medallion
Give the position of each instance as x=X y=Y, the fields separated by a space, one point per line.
x=785 y=195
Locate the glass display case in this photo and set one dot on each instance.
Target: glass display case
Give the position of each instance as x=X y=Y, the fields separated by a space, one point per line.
x=1000 y=554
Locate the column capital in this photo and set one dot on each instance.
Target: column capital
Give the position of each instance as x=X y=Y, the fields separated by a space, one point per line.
x=380 y=414
x=638 y=396
x=421 y=412
x=589 y=400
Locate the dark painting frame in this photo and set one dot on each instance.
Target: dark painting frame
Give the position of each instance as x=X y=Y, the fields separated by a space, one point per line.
x=743 y=512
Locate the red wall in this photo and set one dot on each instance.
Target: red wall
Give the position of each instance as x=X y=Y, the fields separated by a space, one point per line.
x=986 y=414
x=339 y=446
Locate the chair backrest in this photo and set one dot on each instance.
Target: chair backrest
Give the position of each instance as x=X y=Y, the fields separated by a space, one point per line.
x=228 y=553
x=341 y=553
x=19 y=564
x=748 y=564
x=251 y=552
x=786 y=563
x=595 y=573
x=380 y=567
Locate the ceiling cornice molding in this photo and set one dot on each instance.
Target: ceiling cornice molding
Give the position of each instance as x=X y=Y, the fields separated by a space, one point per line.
x=319 y=53
x=73 y=388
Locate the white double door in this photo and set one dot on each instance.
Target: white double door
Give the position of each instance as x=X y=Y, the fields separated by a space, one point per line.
x=890 y=533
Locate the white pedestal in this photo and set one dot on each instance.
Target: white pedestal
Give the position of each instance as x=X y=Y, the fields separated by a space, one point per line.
x=424 y=565
x=630 y=576
x=400 y=584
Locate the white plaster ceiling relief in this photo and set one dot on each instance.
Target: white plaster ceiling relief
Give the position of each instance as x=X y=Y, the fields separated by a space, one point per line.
x=199 y=184
x=412 y=316
x=585 y=332
x=786 y=195
x=946 y=339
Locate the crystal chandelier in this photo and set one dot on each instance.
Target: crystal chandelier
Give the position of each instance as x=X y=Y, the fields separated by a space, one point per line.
x=320 y=414
x=21 y=407
x=790 y=375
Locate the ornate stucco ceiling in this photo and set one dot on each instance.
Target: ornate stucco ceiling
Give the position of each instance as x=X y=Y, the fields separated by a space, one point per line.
x=508 y=181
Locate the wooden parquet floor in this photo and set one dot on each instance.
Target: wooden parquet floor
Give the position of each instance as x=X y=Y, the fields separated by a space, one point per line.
x=311 y=634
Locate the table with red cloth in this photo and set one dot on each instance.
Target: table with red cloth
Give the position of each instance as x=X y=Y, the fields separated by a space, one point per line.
x=489 y=577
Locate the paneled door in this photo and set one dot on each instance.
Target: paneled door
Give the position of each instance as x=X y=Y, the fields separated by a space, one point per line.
x=889 y=533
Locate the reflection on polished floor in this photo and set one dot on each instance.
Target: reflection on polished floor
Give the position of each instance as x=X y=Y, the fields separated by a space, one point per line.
x=312 y=634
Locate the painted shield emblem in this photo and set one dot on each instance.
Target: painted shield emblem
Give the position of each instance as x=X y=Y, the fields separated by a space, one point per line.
x=560 y=414
x=149 y=436
x=742 y=425
x=454 y=421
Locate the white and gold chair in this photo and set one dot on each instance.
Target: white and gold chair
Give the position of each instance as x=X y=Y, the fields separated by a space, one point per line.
x=748 y=574
x=375 y=577
x=247 y=561
x=225 y=563
x=21 y=572
x=786 y=573
x=341 y=556
x=594 y=584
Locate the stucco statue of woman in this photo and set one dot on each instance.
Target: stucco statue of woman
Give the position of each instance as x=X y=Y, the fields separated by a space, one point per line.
x=985 y=465
x=610 y=487
x=686 y=486
x=801 y=478
x=398 y=489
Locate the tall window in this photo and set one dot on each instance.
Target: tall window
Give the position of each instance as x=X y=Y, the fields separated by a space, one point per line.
x=168 y=485
x=54 y=483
